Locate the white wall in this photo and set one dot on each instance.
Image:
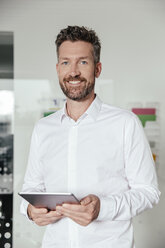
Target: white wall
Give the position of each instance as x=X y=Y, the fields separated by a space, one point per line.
x=133 y=55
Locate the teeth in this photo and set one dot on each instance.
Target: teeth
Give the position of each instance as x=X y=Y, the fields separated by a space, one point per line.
x=74 y=82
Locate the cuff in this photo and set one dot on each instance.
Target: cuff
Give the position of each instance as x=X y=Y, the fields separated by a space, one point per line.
x=23 y=210
x=107 y=207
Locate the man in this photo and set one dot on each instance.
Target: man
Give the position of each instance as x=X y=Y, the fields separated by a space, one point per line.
x=96 y=151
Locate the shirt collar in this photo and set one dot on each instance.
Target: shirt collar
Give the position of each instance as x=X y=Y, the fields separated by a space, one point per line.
x=93 y=110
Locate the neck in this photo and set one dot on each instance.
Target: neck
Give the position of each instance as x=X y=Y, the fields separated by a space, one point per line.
x=75 y=109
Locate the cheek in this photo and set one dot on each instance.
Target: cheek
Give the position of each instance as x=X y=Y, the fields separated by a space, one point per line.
x=89 y=74
x=61 y=74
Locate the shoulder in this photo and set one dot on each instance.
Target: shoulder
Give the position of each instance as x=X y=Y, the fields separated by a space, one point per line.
x=117 y=112
x=123 y=120
x=49 y=121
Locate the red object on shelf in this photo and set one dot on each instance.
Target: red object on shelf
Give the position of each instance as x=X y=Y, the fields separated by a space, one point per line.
x=144 y=111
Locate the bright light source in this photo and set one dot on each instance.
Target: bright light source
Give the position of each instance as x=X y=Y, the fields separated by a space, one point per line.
x=6 y=102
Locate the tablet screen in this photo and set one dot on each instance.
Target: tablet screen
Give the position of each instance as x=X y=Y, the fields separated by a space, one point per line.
x=48 y=200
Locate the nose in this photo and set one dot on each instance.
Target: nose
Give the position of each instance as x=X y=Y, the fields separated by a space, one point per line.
x=74 y=70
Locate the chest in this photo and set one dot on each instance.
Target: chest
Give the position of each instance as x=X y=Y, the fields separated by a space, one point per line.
x=85 y=155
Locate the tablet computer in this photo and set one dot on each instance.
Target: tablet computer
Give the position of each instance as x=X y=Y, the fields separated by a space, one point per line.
x=48 y=200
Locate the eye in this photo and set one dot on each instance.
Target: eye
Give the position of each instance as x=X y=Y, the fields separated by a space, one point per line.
x=83 y=62
x=64 y=62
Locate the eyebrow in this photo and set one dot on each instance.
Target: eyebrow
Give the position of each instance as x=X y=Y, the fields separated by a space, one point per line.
x=65 y=58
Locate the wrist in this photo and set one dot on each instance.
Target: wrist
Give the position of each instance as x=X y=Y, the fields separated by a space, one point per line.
x=29 y=212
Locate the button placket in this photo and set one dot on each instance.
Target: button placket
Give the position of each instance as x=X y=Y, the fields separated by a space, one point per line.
x=72 y=179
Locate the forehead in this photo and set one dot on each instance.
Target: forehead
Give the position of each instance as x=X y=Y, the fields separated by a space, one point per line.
x=76 y=48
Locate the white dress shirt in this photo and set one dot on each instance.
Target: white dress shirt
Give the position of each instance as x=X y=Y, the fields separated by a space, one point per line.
x=105 y=152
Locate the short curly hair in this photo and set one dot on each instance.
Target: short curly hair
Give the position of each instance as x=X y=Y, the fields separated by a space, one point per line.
x=76 y=33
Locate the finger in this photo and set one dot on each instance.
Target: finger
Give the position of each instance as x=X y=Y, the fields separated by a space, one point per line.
x=49 y=217
x=72 y=207
x=42 y=222
x=79 y=220
x=52 y=219
x=40 y=210
x=86 y=200
x=46 y=220
x=74 y=214
x=53 y=214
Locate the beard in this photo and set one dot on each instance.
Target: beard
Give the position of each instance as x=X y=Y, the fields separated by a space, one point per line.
x=77 y=92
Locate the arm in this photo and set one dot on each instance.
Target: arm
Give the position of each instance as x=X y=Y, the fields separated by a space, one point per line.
x=140 y=172
x=33 y=181
x=33 y=178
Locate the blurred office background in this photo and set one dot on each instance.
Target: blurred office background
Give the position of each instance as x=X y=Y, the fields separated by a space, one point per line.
x=132 y=34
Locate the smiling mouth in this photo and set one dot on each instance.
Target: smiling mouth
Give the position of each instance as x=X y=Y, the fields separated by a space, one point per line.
x=74 y=82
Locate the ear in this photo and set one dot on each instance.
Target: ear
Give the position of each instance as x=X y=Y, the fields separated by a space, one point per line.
x=57 y=68
x=98 y=69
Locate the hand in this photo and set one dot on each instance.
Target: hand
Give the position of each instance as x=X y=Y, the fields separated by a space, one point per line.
x=83 y=213
x=41 y=216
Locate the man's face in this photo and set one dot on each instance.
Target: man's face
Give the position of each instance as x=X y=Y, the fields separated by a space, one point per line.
x=76 y=69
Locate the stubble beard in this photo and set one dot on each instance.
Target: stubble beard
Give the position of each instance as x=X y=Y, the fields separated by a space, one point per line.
x=79 y=92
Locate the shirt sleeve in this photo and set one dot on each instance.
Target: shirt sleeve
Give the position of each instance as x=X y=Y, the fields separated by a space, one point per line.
x=143 y=192
x=33 y=180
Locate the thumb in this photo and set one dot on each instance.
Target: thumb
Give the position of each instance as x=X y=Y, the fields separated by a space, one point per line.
x=86 y=200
